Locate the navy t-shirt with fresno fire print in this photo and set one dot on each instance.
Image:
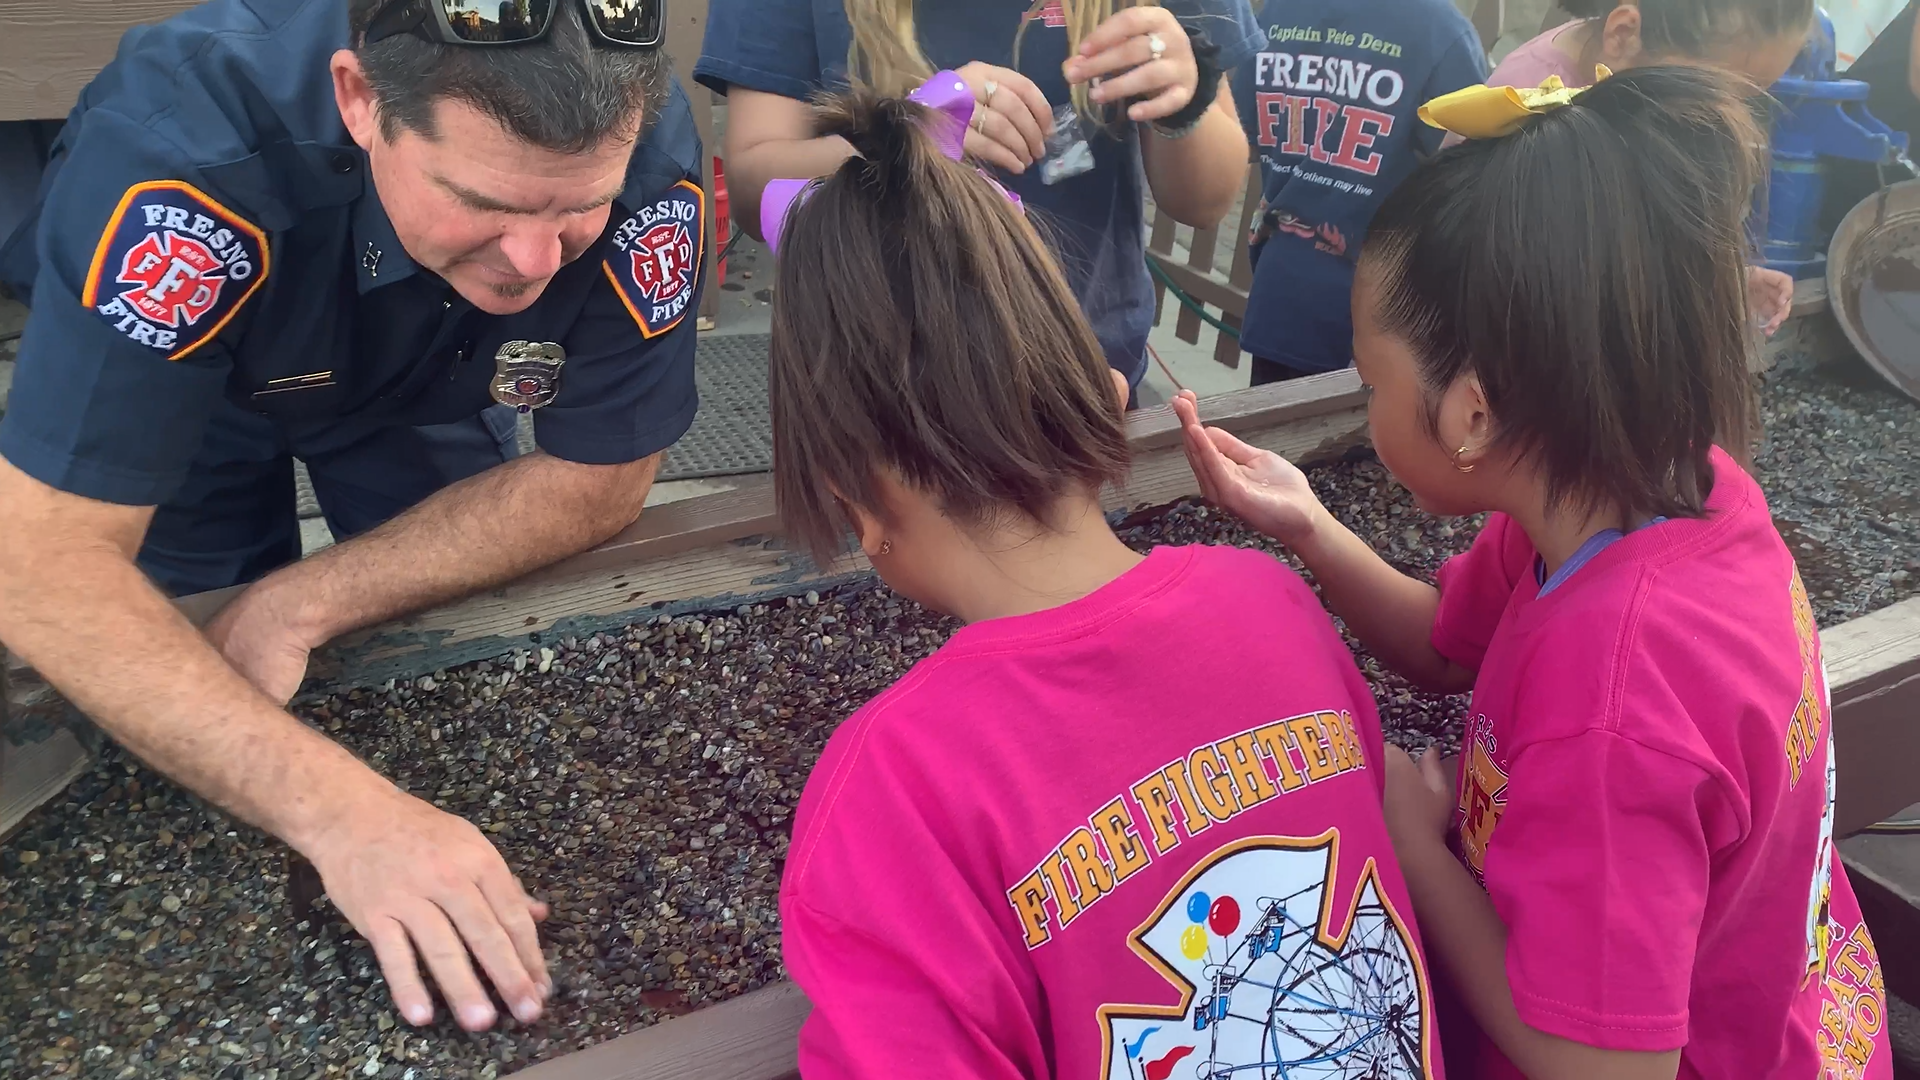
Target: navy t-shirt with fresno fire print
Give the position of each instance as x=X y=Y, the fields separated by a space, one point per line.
x=1330 y=105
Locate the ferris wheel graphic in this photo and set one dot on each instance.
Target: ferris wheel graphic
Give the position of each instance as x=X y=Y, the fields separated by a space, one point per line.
x=1277 y=981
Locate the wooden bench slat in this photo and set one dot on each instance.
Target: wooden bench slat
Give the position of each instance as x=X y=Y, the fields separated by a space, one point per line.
x=1885 y=874
x=752 y=1037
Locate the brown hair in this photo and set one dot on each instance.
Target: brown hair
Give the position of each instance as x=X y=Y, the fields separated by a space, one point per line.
x=922 y=327
x=1590 y=269
x=569 y=92
x=1690 y=28
x=886 y=55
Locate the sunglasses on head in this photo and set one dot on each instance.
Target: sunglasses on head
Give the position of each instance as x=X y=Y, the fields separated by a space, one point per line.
x=516 y=22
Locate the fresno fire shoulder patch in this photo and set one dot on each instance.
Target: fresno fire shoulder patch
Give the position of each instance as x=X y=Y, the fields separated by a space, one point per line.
x=657 y=255
x=173 y=267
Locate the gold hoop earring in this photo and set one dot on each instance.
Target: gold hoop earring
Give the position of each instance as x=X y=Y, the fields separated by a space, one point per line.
x=1456 y=459
x=886 y=547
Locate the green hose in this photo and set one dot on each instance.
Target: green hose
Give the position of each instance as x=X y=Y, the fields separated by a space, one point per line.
x=1188 y=301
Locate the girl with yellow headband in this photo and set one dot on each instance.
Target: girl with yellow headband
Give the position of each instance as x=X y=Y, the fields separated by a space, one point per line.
x=1630 y=873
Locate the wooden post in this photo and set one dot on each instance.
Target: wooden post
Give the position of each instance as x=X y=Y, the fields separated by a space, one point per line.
x=1197 y=277
x=686 y=30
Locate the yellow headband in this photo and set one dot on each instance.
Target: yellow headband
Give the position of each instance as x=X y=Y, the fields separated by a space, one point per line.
x=1488 y=112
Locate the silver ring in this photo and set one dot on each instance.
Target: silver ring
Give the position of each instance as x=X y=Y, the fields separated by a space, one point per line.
x=1156 y=45
x=989 y=88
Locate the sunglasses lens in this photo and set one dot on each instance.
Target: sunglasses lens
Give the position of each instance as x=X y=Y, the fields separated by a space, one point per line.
x=494 y=21
x=631 y=22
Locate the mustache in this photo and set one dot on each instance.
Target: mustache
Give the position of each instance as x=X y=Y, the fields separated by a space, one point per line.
x=516 y=290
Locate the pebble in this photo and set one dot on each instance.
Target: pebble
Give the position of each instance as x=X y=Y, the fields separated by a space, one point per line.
x=657 y=827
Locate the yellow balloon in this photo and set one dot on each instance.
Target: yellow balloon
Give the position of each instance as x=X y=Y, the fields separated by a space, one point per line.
x=1193 y=942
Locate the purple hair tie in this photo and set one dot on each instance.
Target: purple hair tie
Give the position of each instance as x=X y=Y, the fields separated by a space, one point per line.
x=952 y=104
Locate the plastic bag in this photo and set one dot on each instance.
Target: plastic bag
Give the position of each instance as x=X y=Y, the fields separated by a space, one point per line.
x=1068 y=152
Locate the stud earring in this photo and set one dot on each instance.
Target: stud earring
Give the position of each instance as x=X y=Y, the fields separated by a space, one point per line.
x=1456 y=459
x=886 y=547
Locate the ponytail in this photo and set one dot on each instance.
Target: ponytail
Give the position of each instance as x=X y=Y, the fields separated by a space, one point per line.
x=922 y=328
x=1590 y=270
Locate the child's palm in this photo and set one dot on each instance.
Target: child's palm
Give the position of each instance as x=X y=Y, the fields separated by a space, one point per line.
x=1260 y=487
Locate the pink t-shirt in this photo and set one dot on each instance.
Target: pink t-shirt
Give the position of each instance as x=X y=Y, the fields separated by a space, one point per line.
x=1646 y=791
x=1529 y=65
x=1136 y=836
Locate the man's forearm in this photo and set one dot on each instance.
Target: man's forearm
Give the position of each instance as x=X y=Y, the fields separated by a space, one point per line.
x=1195 y=179
x=91 y=624
x=483 y=531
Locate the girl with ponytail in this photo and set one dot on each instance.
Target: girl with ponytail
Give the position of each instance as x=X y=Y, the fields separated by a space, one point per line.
x=1127 y=821
x=1077 y=102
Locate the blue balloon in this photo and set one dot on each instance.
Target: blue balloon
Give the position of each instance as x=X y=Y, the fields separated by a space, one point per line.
x=1197 y=906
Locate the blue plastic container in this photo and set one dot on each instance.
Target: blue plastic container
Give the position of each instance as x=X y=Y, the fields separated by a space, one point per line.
x=1817 y=117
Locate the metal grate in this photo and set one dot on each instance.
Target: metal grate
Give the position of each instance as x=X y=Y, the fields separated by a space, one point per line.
x=733 y=433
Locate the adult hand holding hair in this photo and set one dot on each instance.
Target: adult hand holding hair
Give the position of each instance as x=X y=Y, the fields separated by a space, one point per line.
x=1012 y=119
x=1144 y=53
x=1120 y=53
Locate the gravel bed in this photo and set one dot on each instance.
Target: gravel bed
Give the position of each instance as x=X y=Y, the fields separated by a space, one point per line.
x=642 y=781
x=1840 y=464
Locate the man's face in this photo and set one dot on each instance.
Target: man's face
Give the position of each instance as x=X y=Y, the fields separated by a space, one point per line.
x=494 y=216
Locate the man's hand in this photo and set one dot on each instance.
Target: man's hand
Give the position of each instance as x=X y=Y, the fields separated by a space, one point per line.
x=257 y=634
x=423 y=884
x=1260 y=487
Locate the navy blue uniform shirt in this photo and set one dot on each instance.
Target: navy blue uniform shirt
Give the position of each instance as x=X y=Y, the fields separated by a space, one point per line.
x=1098 y=221
x=1330 y=105
x=210 y=253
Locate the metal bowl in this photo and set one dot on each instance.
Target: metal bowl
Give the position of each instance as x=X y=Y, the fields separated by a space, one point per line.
x=1873 y=282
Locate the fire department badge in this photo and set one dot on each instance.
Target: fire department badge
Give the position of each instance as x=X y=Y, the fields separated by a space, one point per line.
x=656 y=258
x=173 y=267
x=526 y=374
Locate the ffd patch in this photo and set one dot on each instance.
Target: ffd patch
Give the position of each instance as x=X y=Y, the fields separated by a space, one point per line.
x=655 y=264
x=173 y=267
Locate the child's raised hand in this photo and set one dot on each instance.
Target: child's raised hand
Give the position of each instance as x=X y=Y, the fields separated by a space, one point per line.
x=1262 y=488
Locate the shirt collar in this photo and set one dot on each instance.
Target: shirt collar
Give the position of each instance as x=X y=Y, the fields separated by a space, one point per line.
x=378 y=259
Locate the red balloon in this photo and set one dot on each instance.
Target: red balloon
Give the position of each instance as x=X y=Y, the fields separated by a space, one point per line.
x=1224 y=917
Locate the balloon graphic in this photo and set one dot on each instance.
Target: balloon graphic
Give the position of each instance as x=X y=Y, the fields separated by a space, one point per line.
x=1197 y=907
x=1225 y=916
x=1193 y=942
